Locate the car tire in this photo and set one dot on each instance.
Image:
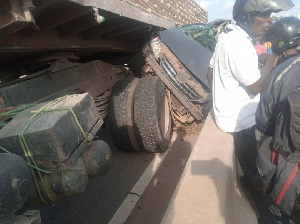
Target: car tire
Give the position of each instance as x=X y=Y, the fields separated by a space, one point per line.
x=120 y=115
x=152 y=115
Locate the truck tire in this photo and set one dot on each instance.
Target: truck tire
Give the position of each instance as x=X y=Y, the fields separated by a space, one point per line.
x=152 y=115
x=120 y=115
x=15 y=184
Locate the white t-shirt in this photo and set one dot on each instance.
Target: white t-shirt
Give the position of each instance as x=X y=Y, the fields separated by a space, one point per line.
x=235 y=65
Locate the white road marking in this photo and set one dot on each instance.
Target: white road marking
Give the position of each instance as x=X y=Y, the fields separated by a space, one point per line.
x=133 y=197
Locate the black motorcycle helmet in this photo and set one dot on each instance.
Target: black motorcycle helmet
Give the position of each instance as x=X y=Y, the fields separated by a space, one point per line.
x=284 y=34
x=244 y=11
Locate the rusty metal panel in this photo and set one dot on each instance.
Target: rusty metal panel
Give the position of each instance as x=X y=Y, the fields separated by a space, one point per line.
x=11 y=20
x=94 y=77
x=15 y=15
x=29 y=28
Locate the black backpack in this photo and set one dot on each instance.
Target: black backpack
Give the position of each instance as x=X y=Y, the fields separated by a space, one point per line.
x=278 y=159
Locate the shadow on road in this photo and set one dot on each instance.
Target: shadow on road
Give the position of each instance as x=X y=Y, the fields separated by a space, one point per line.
x=209 y=192
x=154 y=202
x=231 y=197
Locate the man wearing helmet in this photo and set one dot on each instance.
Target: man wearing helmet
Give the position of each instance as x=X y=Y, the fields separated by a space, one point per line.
x=237 y=80
x=284 y=36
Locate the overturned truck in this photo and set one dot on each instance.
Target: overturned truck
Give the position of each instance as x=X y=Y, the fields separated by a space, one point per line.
x=68 y=66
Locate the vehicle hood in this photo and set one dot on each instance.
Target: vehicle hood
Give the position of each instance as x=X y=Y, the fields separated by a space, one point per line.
x=192 y=55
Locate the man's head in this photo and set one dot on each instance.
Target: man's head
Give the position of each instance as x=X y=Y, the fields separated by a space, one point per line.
x=254 y=15
x=284 y=34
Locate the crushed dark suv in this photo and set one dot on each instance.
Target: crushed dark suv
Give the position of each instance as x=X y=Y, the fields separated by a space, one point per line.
x=169 y=87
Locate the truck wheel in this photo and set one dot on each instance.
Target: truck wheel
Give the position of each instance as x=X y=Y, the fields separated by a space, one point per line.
x=120 y=115
x=15 y=184
x=152 y=115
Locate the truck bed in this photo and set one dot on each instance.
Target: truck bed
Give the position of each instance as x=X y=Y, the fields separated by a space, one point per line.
x=34 y=32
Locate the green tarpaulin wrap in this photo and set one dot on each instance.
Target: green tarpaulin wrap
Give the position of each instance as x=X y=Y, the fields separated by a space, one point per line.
x=202 y=33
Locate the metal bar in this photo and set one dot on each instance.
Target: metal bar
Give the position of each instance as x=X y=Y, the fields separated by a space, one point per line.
x=196 y=112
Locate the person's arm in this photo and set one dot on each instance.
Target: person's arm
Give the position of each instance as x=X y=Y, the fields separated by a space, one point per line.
x=267 y=60
x=263 y=116
x=209 y=75
x=266 y=115
x=243 y=63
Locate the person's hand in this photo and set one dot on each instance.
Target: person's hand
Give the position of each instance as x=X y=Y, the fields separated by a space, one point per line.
x=267 y=62
x=266 y=59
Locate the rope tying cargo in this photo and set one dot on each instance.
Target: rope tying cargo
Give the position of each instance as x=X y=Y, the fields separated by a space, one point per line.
x=27 y=152
x=13 y=112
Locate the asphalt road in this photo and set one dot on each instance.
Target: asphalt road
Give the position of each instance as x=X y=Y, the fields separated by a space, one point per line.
x=104 y=195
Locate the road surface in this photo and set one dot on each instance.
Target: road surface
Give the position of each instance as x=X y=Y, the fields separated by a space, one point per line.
x=137 y=189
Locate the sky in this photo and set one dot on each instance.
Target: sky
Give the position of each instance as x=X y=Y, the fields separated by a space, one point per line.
x=222 y=9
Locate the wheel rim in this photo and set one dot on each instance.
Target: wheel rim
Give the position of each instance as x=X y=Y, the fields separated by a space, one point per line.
x=164 y=114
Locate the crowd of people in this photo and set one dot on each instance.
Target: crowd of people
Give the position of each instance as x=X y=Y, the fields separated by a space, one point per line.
x=249 y=87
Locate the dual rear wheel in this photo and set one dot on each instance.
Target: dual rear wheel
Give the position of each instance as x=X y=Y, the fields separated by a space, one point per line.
x=139 y=115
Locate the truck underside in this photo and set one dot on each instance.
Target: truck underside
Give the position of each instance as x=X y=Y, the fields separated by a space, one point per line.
x=33 y=34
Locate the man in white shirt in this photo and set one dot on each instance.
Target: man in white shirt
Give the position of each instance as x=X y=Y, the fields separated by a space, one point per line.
x=237 y=81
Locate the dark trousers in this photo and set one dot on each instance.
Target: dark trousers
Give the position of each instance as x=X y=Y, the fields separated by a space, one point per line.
x=246 y=151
